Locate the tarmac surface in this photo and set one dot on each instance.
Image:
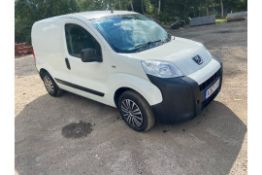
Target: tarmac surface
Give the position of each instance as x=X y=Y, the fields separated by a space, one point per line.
x=72 y=135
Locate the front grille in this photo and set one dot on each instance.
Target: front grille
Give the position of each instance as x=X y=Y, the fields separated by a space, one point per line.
x=207 y=84
x=210 y=80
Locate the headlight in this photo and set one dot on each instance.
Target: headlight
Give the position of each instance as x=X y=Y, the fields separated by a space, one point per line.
x=161 y=69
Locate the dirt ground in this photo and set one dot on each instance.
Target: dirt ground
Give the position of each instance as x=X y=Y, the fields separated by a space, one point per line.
x=214 y=143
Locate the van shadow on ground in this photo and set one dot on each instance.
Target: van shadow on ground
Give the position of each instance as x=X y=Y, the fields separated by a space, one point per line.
x=208 y=144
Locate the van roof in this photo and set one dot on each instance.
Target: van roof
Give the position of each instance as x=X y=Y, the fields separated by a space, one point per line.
x=88 y=15
x=99 y=14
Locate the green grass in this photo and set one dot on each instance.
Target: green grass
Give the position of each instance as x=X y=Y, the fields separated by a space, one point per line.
x=221 y=21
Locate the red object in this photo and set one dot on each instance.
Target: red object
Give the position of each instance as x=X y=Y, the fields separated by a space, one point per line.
x=23 y=49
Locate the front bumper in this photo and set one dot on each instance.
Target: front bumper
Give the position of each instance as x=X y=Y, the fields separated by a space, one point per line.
x=183 y=98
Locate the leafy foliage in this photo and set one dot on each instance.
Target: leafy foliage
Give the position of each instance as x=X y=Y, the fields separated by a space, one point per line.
x=166 y=11
x=29 y=11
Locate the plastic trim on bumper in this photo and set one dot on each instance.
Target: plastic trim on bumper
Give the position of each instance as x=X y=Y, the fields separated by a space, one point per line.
x=182 y=97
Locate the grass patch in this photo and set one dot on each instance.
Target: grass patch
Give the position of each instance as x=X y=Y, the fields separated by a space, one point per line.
x=221 y=21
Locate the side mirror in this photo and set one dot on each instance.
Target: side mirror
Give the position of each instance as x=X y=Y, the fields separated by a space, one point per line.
x=90 y=55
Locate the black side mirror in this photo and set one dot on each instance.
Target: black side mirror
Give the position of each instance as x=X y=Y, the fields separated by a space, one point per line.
x=90 y=55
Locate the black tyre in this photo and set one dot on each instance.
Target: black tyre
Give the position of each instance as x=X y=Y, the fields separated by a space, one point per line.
x=135 y=111
x=51 y=86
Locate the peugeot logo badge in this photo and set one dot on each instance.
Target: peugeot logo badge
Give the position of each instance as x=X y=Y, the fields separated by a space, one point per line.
x=198 y=59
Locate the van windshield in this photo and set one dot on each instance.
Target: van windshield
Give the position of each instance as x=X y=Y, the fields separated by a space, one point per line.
x=131 y=33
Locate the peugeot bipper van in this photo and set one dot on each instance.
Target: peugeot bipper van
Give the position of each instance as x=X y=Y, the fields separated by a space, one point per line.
x=126 y=60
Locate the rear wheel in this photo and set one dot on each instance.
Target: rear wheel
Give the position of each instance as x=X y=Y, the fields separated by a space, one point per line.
x=135 y=111
x=51 y=86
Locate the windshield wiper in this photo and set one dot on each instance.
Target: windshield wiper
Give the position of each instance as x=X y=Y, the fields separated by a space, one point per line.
x=146 y=45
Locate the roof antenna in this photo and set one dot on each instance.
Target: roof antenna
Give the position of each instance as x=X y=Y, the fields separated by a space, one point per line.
x=110 y=6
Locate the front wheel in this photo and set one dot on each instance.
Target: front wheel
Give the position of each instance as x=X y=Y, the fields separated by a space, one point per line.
x=135 y=111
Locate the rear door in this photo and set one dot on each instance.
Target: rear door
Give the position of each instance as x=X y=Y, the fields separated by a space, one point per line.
x=87 y=77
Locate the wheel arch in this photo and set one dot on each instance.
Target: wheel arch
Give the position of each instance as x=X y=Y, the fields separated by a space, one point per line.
x=42 y=72
x=121 y=82
x=121 y=90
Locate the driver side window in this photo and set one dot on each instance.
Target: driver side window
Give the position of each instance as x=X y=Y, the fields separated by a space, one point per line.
x=78 y=39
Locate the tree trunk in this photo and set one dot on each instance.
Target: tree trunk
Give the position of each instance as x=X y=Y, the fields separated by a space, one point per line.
x=200 y=8
x=207 y=10
x=110 y=6
x=222 y=8
x=142 y=6
x=132 y=6
x=119 y=4
x=159 y=7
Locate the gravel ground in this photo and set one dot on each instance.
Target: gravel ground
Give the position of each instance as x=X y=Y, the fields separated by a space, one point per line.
x=213 y=143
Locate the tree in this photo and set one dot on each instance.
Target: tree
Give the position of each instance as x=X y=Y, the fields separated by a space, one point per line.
x=165 y=11
x=29 y=11
x=93 y=4
x=149 y=7
x=222 y=8
x=159 y=7
x=131 y=5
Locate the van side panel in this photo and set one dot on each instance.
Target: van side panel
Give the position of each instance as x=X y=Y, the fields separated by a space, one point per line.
x=48 y=47
x=120 y=71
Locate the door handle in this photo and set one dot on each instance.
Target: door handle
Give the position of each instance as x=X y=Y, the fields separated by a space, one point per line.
x=67 y=64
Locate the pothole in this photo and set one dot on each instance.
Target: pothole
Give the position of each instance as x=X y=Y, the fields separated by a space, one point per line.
x=77 y=130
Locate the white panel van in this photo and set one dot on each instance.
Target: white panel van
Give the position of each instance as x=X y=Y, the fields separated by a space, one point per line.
x=128 y=61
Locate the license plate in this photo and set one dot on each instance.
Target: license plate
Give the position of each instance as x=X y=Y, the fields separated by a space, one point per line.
x=212 y=89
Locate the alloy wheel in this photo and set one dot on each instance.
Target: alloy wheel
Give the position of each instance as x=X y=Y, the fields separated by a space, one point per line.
x=131 y=113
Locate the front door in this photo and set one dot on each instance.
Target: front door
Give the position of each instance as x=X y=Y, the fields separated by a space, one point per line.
x=88 y=77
